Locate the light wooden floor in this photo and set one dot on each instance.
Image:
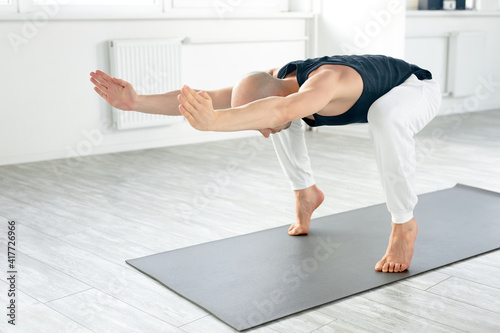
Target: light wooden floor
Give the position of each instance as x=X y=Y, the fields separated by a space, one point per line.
x=80 y=219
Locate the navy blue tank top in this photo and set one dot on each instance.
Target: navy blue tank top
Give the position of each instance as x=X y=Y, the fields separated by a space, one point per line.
x=379 y=74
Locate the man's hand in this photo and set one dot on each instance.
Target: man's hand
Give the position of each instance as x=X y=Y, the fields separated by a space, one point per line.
x=198 y=109
x=266 y=132
x=118 y=93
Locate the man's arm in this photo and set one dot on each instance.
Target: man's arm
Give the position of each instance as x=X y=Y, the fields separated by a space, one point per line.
x=121 y=95
x=269 y=112
x=168 y=104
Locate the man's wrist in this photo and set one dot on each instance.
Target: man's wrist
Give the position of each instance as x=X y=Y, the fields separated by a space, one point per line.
x=216 y=123
x=137 y=103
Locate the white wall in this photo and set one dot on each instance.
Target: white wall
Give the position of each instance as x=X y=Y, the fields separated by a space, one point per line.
x=48 y=108
x=432 y=53
x=362 y=27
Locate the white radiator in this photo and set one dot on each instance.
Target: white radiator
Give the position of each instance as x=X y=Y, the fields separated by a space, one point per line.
x=152 y=67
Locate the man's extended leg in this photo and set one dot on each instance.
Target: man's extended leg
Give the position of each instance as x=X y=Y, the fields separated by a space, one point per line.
x=394 y=119
x=290 y=146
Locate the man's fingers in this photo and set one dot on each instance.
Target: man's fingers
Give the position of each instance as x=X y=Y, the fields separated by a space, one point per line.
x=204 y=96
x=191 y=95
x=186 y=104
x=98 y=84
x=107 y=80
x=98 y=80
x=103 y=95
x=188 y=94
x=195 y=98
x=104 y=78
x=189 y=117
x=119 y=82
x=189 y=104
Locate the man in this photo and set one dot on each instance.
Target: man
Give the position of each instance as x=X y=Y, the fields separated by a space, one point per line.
x=397 y=99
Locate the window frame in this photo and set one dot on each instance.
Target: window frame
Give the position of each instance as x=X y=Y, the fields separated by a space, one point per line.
x=10 y=7
x=24 y=9
x=274 y=5
x=157 y=7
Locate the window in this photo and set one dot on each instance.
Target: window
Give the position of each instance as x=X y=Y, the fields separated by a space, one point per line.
x=99 y=2
x=7 y=6
x=101 y=7
x=233 y=4
x=118 y=8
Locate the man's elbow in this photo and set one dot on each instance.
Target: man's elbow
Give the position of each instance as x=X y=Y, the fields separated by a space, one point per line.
x=284 y=114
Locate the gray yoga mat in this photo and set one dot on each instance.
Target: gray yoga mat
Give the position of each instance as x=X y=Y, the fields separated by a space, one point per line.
x=252 y=279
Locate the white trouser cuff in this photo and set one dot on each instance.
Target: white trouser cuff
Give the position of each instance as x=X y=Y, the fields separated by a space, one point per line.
x=290 y=147
x=305 y=182
x=400 y=218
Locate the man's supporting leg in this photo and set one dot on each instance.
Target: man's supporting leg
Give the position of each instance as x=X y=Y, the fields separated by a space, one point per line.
x=290 y=147
x=394 y=119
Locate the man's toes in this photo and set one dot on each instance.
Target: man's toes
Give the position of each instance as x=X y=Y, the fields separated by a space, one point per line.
x=294 y=230
x=390 y=267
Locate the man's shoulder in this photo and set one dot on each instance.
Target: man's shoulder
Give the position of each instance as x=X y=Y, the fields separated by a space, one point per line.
x=273 y=72
x=323 y=77
x=330 y=73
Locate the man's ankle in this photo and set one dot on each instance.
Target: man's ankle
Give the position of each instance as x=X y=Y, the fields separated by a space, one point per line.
x=305 y=192
x=407 y=226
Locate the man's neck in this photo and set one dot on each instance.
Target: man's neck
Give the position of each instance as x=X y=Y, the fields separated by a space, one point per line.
x=290 y=85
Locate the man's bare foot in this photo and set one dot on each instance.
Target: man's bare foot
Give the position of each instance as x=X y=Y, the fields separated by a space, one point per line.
x=398 y=256
x=306 y=201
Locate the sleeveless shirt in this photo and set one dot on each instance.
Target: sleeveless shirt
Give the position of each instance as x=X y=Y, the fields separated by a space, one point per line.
x=379 y=74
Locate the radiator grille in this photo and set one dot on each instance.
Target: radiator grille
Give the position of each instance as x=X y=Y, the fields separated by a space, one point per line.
x=152 y=67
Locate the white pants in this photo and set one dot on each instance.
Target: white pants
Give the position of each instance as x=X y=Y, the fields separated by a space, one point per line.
x=394 y=119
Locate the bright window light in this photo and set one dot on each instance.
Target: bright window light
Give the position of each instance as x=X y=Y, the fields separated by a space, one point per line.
x=97 y=2
x=4 y=2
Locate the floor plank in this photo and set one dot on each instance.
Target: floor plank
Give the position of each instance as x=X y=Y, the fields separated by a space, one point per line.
x=340 y=326
x=86 y=308
x=108 y=246
x=127 y=285
x=79 y=219
x=34 y=316
x=377 y=316
x=426 y=280
x=211 y=324
x=491 y=258
x=474 y=271
x=39 y=219
x=431 y=307
x=468 y=292
x=207 y=324
x=307 y=321
x=41 y=281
